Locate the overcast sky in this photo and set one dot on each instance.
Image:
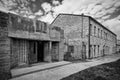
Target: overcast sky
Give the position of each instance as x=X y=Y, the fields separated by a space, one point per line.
x=105 y=11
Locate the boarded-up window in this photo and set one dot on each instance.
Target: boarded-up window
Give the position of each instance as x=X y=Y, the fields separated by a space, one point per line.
x=41 y=27
x=71 y=49
x=38 y=26
x=45 y=27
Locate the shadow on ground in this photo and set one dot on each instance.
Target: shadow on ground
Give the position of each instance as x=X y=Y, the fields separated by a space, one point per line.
x=109 y=71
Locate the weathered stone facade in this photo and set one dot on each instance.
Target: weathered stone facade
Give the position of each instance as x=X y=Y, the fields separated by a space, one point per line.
x=25 y=41
x=76 y=34
x=102 y=40
x=80 y=38
x=4 y=47
x=118 y=46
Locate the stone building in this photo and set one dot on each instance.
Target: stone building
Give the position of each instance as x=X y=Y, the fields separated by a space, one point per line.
x=85 y=37
x=118 y=46
x=25 y=41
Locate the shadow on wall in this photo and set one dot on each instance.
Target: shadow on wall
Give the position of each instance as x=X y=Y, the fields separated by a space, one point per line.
x=5 y=76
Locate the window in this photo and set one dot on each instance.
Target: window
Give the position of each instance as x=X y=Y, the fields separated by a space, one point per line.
x=91 y=51
x=98 y=31
x=101 y=33
x=94 y=50
x=41 y=27
x=38 y=26
x=104 y=35
x=45 y=27
x=94 y=30
x=98 y=49
x=90 y=29
x=71 y=49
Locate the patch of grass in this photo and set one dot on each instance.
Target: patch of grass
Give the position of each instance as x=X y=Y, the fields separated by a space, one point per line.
x=109 y=71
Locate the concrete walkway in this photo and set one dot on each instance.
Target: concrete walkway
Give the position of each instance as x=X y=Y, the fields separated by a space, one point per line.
x=28 y=70
x=66 y=70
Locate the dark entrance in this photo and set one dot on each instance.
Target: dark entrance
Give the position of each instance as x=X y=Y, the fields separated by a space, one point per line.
x=55 y=51
x=40 y=51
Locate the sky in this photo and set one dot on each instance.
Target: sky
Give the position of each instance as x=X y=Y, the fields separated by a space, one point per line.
x=107 y=12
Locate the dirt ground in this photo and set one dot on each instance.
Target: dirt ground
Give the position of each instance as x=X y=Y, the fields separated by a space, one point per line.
x=109 y=71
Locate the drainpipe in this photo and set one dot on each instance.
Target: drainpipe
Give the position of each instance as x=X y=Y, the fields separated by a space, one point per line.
x=82 y=35
x=82 y=26
x=89 y=38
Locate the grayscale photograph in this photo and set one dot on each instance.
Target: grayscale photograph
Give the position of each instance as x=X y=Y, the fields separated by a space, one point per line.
x=59 y=39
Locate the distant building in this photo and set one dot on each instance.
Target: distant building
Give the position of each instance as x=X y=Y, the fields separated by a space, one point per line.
x=118 y=46
x=85 y=37
x=25 y=41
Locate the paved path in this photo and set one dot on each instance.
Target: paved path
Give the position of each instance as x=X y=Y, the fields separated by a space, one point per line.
x=64 y=71
x=39 y=67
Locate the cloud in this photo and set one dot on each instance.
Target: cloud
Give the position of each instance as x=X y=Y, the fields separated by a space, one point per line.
x=46 y=6
x=106 y=17
x=68 y=6
x=96 y=9
x=46 y=10
x=114 y=25
x=47 y=18
x=117 y=4
x=111 y=10
x=39 y=13
x=55 y=3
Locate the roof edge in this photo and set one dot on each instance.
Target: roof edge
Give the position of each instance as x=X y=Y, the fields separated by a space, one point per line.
x=84 y=16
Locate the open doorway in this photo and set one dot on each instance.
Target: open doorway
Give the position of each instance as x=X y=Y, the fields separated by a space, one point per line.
x=55 y=51
x=40 y=51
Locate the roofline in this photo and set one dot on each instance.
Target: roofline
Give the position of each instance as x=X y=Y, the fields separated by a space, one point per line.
x=54 y=20
x=84 y=16
x=66 y=14
x=102 y=25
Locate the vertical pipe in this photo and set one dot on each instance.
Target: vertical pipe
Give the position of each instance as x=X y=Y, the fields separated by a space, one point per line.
x=89 y=38
x=82 y=28
x=50 y=51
